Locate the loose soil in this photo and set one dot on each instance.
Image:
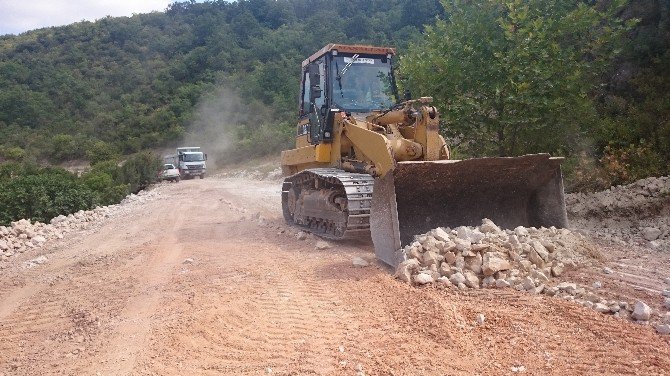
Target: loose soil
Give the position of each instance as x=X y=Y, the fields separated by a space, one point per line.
x=254 y=300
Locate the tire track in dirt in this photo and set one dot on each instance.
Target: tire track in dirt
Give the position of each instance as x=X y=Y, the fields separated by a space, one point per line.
x=62 y=321
x=132 y=333
x=286 y=321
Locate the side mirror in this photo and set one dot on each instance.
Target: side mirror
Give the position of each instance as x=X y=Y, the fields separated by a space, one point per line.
x=314 y=93
x=314 y=79
x=314 y=75
x=407 y=95
x=205 y=156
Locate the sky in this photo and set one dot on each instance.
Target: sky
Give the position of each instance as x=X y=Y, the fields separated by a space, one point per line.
x=17 y=16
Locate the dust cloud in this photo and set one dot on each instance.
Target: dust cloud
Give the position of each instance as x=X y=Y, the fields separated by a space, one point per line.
x=217 y=119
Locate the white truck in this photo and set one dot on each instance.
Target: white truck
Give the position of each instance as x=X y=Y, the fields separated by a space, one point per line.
x=190 y=160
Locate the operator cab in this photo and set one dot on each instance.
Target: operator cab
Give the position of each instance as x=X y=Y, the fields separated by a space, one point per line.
x=353 y=79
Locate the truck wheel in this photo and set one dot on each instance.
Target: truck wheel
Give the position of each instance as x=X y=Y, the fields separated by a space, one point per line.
x=177 y=180
x=202 y=176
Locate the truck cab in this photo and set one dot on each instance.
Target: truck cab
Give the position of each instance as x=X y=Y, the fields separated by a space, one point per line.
x=191 y=162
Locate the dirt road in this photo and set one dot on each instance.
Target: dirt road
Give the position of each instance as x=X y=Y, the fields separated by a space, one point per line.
x=207 y=280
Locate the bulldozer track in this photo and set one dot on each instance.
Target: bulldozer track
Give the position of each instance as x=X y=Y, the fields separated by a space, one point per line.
x=358 y=191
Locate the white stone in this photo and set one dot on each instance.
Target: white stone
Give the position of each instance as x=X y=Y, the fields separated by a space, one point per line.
x=650 y=233
x=535 y=259
x=541 y=250
x=666 y=303
x=521 y=231
x=597 y=284
x=440 y=234
x=450 y=258
x=481 y=318
x=359 y=262
x=188 y=261
x=557 y=269
x=463 y=245
x=601 y=308
x=39 y=239
x=457 y=278
x=501 y=283
x=551 y=291
x=539 y=276
x=488 y=226
x=470 y=234
x=528 y=283
x=405 y=269
x=494 y=262
x=663 y=329
x=429 y=258
x=641 y=311
x=301 y=235
x=321 y=245
x=471 y=279
x=570 y=288
x=474 y=263
x=423 y=279
x=444 y=280
x=607 y=270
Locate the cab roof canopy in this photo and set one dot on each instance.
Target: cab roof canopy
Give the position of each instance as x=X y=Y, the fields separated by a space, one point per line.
x=349 y=48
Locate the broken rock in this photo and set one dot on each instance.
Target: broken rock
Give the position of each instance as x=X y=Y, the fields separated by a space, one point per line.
x=494 y=262
x=650 y=233
x=663 y=329
x=423 y=279
x=321 y=245
x=359 y=262
x=488 y=226
x=641 y=311
x=405 y=269
x=471 y=279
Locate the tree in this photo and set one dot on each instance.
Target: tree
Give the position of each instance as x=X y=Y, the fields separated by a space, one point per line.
x=514 y=76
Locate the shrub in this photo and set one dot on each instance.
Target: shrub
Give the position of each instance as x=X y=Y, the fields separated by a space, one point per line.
x=43 y=196
x=15 y=153
x=140 y=170
x=100 y=151
x=628 y=164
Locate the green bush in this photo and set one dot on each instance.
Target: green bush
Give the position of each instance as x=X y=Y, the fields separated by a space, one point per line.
x=15 y=153
x=66 y=147
x=43 y=196
x=140 y=170
x=100 y=151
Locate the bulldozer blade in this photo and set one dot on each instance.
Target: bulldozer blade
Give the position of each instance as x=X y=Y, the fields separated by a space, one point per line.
x=419 y=196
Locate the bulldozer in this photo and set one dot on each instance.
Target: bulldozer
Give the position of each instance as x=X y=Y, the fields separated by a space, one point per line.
x=367 y=164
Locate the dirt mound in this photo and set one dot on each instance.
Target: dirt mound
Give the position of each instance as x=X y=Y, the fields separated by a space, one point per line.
x=635 y=214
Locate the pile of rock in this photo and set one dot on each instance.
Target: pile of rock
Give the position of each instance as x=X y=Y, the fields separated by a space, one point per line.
x=258 y=173
x=637 y=213
x=486 y=256
x=24 y=235
x=526 y=259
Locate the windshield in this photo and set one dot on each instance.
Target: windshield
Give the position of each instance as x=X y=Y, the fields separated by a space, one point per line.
x=361 y=84
x=193 y=157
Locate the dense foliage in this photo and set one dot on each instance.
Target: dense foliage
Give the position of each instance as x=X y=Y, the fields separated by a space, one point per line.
x=588 y=80
x=38 y=193
x=130 y=83
x=511 y=77
x=577 y=79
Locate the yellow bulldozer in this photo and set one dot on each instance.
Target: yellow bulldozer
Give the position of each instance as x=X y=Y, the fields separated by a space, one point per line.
x=367 y=164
